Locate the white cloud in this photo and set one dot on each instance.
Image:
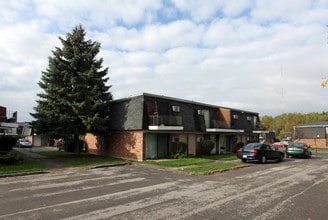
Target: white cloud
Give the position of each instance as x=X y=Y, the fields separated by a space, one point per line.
x=199 y=10
x=263 y=56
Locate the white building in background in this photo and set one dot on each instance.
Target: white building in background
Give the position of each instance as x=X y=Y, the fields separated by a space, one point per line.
x=10 y=126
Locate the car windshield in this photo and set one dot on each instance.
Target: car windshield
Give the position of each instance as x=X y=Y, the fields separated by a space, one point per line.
x=253 y=146
x=296 y=144
x=24 y=140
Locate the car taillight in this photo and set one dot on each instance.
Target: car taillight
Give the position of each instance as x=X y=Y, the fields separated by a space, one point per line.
x=239 y=150
x=304 y=149
x=253 y=151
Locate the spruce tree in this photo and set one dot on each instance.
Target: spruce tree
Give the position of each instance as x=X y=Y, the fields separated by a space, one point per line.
x=75 y=97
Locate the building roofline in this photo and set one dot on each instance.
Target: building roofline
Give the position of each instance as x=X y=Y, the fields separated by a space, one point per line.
x=314 y=125
x=179 y=100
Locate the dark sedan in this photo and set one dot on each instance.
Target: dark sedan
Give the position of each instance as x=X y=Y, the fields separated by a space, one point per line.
x=260 y=152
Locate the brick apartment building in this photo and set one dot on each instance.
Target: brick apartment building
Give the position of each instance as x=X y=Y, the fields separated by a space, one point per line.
x=145 y=127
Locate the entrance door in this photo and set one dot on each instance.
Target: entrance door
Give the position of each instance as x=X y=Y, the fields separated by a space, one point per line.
x=151 y=146
x=192 y=145
x=157 y=146
x=162 y=145
x=222 y=144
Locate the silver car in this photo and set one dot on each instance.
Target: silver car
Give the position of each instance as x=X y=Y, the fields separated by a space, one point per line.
x=23 y=143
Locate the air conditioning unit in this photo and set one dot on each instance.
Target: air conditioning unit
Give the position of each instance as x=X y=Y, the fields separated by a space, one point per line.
x=175 y=108
x=175 y=139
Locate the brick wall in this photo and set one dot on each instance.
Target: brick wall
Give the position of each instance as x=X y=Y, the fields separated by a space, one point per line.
x=314 y=143
x=127 y=145
x=96 y=144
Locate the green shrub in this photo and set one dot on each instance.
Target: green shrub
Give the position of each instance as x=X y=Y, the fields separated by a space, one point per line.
x=178 y=150
x=7 y=142
x=206 y=147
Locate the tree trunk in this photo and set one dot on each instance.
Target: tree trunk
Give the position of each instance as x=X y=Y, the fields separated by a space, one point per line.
x=76 y=144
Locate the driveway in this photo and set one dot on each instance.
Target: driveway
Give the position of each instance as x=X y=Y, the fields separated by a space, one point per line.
x=293 y=189
x=30 y=153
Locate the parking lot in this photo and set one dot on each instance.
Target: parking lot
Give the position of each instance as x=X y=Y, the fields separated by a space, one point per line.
x=292 y=189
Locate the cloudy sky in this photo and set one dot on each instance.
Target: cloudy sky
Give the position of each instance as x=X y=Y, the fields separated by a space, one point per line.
x=264 y=56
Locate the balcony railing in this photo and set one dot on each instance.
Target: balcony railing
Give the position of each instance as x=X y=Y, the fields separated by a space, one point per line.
x=165 y=120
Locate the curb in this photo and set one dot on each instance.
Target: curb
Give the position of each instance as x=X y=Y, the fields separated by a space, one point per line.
x=111 y=165
x=211 y=172
x=22 y=174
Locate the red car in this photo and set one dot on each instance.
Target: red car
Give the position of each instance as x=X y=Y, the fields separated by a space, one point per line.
x=59 y=143
x=281 y=145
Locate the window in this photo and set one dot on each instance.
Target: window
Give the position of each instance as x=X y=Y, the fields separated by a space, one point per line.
x=175 y=108
x=235 y=116
x=200 y=112
x=249 y=118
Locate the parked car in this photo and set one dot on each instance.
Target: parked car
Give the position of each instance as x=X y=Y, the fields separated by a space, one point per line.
x=59 y=143
x=23 y=143
x=260 y=152
x=298 y=149
x=281 y=145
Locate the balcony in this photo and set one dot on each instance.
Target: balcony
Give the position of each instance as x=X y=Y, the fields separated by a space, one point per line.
x=165 y=122
x=216 y=124
x=220 y=126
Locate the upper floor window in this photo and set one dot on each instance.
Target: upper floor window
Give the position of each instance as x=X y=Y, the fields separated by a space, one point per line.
x=175 y=108
x=200 y=112
x=249 y=118
x=235 y=116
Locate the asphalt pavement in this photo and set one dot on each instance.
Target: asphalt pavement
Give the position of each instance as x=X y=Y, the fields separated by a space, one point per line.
x=294 y=189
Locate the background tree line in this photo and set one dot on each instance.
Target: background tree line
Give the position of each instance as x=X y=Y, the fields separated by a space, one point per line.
x=285 y=122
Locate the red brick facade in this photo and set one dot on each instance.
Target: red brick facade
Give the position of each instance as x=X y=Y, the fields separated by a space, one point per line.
x=95 y=144
x=127 y=145
x=314 y=143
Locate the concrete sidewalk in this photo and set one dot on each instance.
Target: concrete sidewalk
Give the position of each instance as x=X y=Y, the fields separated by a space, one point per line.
x=30 y=154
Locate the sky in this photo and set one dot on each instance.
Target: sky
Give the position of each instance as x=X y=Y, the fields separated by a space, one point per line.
x=262 y=56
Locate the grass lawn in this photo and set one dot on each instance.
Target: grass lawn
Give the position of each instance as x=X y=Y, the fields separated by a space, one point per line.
x=222 y=157
x=22 y=166
x=192 y=160
x=179 y=162
x=84 y=159
x=204 y=164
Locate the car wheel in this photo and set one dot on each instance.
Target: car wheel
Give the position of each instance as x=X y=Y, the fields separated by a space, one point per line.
x=244 y=160
x=307 y=156
x=281 y=157
x=263 y=159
